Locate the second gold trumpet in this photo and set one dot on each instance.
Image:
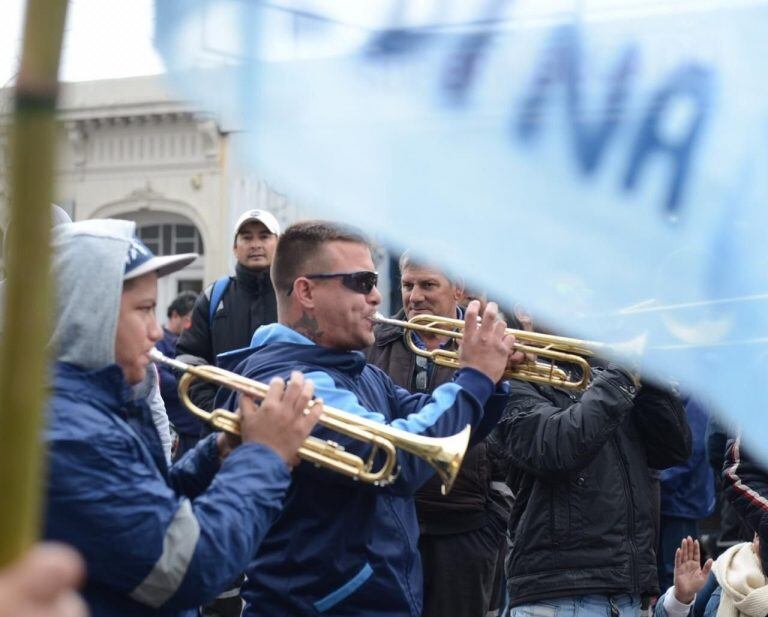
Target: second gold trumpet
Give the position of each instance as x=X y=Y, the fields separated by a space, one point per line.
x=565 y=351
x=444 y=454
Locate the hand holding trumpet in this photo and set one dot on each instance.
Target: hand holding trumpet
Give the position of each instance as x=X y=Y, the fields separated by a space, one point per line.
x=282 y=421
x=486 y=346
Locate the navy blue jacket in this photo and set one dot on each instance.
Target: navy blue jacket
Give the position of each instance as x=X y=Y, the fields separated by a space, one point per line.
x=342 y=547
x=155 y=541
x=688 y=489
x=183 y=421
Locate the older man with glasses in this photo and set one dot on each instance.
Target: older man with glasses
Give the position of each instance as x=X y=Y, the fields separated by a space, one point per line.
x=462 y=534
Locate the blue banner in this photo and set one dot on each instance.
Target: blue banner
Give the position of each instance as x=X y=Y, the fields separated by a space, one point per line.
x=603 y=163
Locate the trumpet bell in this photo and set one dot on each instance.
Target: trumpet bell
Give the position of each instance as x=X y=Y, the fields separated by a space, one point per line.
x=445 y=454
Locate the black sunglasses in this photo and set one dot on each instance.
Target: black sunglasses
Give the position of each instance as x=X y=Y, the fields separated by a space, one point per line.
x=361 y=282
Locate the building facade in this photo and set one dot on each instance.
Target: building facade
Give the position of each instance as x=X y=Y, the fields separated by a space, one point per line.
x=130 y=149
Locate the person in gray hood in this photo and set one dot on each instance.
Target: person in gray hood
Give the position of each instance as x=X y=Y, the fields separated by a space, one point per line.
x=156 y=540
x=149 y=388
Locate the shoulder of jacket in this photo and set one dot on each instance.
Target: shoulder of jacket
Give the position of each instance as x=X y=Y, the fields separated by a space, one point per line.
x=231 y=282
x=386 y=334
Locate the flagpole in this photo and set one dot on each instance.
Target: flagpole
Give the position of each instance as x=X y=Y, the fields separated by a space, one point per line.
x=28 y=292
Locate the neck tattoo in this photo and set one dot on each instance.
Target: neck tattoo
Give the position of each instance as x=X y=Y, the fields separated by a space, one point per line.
x=307 y=325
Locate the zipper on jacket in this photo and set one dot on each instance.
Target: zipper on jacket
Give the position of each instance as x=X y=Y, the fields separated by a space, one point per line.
x=630 y=515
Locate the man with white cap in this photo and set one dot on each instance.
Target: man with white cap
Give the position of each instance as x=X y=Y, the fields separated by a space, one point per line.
x=227 y=314
x=155 y=540
x=224 y=319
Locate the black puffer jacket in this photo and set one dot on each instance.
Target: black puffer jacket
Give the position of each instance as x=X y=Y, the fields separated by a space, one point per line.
x=248 y=302
x=581 y=521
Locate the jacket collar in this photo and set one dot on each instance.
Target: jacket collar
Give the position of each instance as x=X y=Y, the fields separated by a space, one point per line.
x=287 y=344
x=387 y=333
x=106 y=385
x=170 y=337
x=252 y=280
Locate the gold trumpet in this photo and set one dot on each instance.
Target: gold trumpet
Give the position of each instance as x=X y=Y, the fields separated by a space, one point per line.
x=444 y=454
x=563 y=350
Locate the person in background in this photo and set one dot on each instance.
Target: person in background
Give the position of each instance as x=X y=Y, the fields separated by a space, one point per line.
x=228 y=312
x=689 y=578
x=732 y=528
x=224 y=318
x=461 y=534
x=734 y=585
x=687 y=495
x=581 y=534
x=186 y=425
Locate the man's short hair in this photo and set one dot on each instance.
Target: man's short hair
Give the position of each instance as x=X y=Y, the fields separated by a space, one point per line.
x=182 y=304
x=300 y=244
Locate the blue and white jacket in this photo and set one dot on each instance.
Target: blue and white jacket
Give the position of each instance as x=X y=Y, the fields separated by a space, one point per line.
x=156 y=541
x=341 y=547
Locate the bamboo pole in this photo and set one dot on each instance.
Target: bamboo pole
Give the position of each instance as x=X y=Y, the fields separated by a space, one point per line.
x=28 y=298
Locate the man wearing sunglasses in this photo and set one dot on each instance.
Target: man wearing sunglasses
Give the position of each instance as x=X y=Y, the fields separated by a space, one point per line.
x=343 y=547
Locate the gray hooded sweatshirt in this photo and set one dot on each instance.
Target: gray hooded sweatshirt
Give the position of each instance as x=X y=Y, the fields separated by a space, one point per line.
x=88 y=306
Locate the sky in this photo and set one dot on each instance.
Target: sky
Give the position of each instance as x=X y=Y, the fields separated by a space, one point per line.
x=104 y=39
x=113 y=38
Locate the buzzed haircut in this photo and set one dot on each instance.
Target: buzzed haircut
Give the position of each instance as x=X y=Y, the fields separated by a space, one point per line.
x=182 y=304
x=301 y=244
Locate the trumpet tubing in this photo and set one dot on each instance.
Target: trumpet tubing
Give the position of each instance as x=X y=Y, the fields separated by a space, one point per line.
x=556 y=349
x=444 y=454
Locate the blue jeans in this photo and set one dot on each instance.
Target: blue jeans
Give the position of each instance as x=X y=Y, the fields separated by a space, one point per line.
x=623 y=605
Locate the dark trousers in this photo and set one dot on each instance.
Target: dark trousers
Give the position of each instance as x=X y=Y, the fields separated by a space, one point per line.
x=462 y=572
x=672 y=532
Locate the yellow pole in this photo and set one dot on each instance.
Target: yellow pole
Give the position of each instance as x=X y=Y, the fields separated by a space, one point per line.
x=28 y=298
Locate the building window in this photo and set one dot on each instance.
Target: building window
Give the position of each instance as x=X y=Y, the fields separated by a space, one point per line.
x=172 y=239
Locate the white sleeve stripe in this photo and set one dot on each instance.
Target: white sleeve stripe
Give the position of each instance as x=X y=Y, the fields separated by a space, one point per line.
x=501 y=487
x=733 y=473
x=178 y=548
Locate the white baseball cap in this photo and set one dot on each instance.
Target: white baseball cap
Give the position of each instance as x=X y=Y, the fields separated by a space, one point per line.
x=262 y=216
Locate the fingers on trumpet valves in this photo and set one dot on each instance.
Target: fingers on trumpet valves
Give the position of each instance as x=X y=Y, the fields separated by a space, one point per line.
x=491 y=315
x=471 y=317
x=515 y=356
x=294 y=390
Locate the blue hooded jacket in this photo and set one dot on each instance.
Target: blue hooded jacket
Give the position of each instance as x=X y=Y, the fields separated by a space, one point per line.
x=156 y=541
x=342 y=547
x=688 y=490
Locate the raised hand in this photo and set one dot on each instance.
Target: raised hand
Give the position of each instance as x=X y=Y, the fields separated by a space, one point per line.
x=689 y=575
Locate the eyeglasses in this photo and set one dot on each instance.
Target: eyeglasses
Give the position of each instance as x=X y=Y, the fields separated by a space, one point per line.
x=361 y=282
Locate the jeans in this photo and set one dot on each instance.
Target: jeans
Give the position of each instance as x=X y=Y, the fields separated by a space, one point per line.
x=620 y=605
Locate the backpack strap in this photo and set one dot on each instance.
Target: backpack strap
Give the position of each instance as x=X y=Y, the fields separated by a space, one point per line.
x=219 y=287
